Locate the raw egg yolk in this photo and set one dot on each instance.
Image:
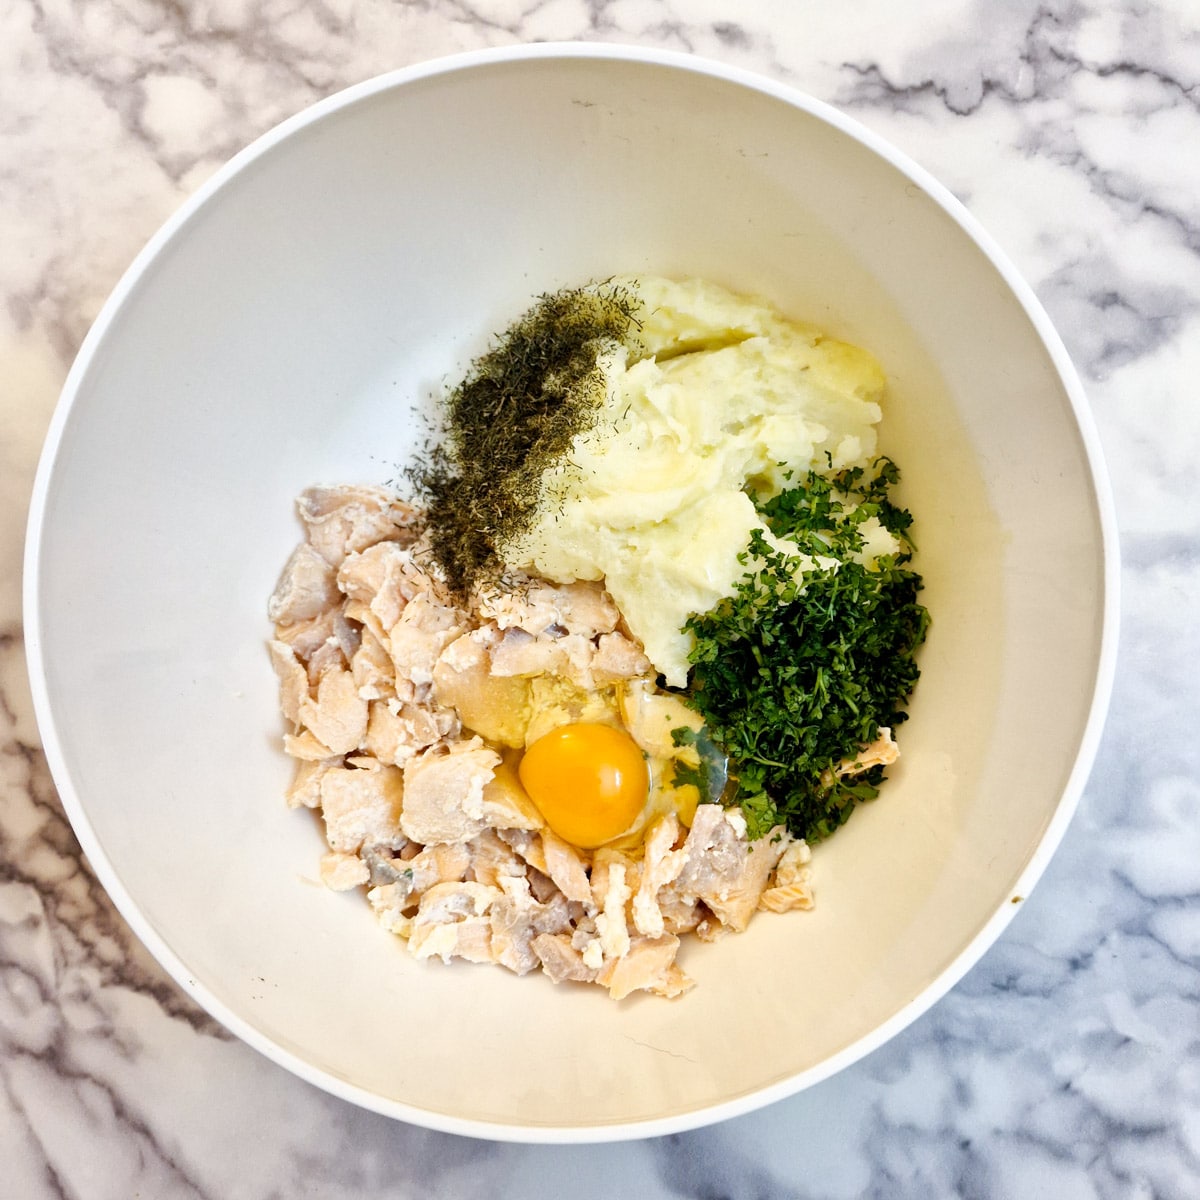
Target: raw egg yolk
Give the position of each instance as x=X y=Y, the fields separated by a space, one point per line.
x=588 y=781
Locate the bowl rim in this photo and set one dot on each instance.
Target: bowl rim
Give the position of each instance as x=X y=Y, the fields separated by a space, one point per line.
x=966 y=958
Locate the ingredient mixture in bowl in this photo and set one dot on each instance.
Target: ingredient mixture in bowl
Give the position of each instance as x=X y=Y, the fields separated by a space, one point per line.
x=637 y=636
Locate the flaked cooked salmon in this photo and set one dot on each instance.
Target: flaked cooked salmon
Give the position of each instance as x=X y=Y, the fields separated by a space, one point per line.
x=406 y=715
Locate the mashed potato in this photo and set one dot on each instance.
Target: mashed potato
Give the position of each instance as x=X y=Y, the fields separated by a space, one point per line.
x=719 y=395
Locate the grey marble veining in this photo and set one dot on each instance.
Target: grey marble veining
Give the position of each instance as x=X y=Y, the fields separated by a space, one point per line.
x=1067 y=1063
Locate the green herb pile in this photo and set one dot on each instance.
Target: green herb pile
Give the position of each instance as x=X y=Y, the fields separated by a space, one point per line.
x=796 y=672
x=513 y=416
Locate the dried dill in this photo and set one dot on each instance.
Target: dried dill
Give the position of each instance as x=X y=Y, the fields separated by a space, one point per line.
x=513 y=416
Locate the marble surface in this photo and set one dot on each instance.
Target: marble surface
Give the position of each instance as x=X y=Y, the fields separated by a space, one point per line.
x=1067 y=1063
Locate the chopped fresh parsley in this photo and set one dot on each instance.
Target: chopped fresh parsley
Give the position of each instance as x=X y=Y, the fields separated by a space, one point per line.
x=798 y=669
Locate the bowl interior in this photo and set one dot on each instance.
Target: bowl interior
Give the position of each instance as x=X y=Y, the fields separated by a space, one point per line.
x=290 y=331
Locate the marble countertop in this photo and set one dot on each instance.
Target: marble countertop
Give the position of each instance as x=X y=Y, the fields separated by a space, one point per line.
x=1066 y=1063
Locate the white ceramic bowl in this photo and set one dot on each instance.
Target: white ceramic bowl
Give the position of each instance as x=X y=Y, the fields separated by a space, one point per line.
x=274 y=334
